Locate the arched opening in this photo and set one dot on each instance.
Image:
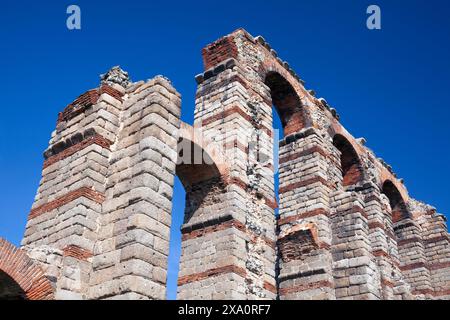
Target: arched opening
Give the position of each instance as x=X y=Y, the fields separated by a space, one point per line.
x=398 y=205
x=277 y=137
x=196 y=165
x=10 y=289
x=197 y=174
x=20 y=277
x=178 y=206
x=287 y=118
x=286 y=102
x=350 y=163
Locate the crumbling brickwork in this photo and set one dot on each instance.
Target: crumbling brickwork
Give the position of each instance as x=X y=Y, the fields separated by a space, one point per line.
x=99 y=227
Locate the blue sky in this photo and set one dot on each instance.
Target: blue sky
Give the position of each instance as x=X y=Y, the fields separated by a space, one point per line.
x=390 y=86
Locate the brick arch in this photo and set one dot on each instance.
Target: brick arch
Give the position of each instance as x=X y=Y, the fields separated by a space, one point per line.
x=398 y=204
x=29 y=276
x=286 y=102
x=382 y=173
x=337 y=129
x=213 y=163
x=287 y=92
x=385 y=175
x=240 y=49
x=9 y=288
x=352 y=171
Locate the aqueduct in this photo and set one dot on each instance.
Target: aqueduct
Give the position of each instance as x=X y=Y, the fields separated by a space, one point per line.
x=99 y=227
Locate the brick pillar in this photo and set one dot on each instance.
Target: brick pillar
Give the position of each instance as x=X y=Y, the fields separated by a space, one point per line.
x=130 y=257
x=69 y=200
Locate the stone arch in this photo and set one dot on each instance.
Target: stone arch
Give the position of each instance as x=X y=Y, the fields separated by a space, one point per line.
x=286 y=102
x=22 y=277
x=351 y=167
x=398 y=204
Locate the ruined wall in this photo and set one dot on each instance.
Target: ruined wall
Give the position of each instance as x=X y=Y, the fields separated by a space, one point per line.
x=100 y=224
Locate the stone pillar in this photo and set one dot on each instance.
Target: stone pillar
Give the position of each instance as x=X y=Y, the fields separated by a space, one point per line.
x=383 y=244
x=413 y=261
x=235 y=225
x=130 y=257
x=355 y=273
x=437 y=249
x=306 y=260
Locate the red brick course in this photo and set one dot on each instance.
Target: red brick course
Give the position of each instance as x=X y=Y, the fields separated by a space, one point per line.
x=220 y=271
x=387 y=283
x=212 y=273
x=309 y=286
x=304 y=215
x=382 y=253
x=413 y=266
x=77 y=253
x=423 y=291
x=188 y=235
x=97 y=139
x=429 y=266
x=112 y=92
x=437 y=239
x=442 y=293
x=86 y=100
x=377 y=224
x=304 y=153
x=79 y=106
x=304 y=183
x=409 y=241
x=270 y=287
x=67 y=198
x=438 y=266
x=219 y=51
